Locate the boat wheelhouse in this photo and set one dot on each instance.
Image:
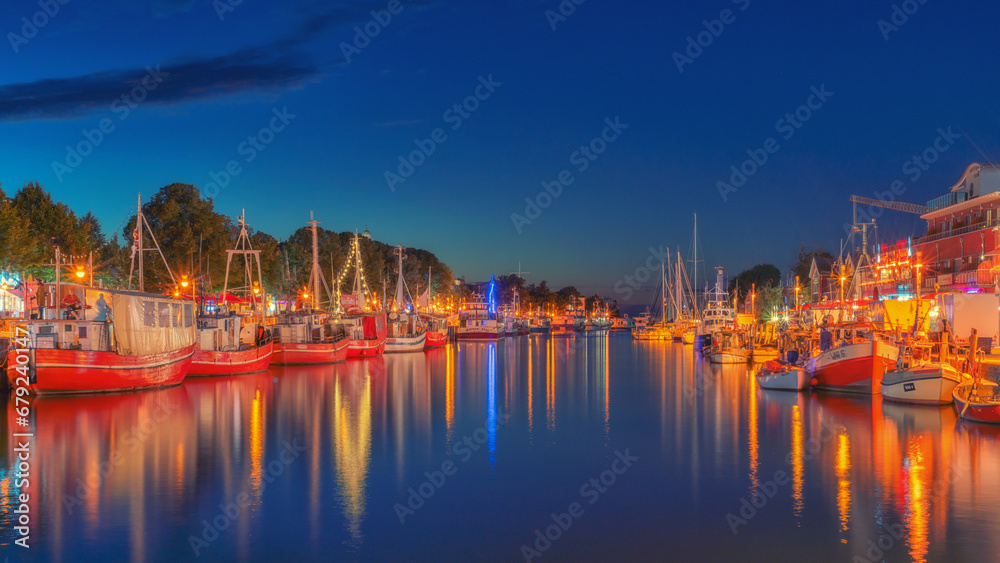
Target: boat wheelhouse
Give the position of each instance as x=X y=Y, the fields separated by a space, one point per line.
x=91 y=340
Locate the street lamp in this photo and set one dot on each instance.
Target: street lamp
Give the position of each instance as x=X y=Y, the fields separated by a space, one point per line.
x=80 y=272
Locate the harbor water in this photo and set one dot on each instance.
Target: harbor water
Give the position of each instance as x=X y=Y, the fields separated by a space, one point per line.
x=564 y=448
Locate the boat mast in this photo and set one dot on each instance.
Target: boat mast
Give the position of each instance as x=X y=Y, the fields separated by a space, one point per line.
x=315 y=270
x=139 y=220
x=677 y=289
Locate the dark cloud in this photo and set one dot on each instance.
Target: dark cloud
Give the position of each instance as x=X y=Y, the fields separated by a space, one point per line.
x=69 y=98
x=276 y=66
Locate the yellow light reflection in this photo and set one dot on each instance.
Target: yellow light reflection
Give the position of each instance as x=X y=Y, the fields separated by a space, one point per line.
x=607 y=387
x=917 y=500
x=256 y=447
x=352 y=441
x=531 y=389
x=798 y=466
x=550 y=385
x=843 y=466
x=754 y=443
x=449 y=400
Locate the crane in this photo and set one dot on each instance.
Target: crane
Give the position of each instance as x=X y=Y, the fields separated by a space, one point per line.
x=894 y=205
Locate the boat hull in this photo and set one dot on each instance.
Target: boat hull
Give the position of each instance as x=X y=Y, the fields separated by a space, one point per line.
x=210 y=362
x=290 y=354
x=436 y=340
x=366 y=348
x=59 y=371
x=985 y=410
x=854 y=368
x=728 y=358
x=791 y=380
x=927 y=385
x=405 y=344
x=478 y=336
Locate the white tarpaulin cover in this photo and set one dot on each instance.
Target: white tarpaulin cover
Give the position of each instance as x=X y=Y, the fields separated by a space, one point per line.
x=146 y=324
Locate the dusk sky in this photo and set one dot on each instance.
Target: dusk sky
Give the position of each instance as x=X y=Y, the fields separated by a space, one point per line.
x=880 y=93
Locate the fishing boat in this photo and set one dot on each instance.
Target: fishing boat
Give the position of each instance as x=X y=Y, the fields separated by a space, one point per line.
x=232 y=342
x=729 y=347
x=782 y=376
x=406 y=330
x=480 y=318
x=656 y=327
x=977 y=400
x=852 y=358
x=540 y=324
x=366 y=329
x=717 y=315
x=916 y=378
x=437 y=331
x=309 y=335
x=93 y=340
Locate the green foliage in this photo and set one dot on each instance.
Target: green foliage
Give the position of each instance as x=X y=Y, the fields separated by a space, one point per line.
x=49 y=223
x=763 y=275
x=183 y=223
x=801 y=267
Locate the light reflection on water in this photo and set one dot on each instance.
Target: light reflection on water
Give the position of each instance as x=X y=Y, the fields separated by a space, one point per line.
x=371 y=431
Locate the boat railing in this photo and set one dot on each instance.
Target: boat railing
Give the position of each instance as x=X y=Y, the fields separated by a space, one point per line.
x=70 y=334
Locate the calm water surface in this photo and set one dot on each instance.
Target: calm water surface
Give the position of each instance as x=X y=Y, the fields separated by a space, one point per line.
x=329 y=463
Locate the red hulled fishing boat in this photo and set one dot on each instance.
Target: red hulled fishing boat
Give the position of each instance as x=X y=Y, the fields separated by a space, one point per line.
x=233 y=340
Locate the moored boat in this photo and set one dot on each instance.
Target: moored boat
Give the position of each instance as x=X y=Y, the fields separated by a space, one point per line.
x=977 y=401
x=852 y=358
x=729 y=347
x=131 y=341
x=480 y=319
x=930 y=384
x=234 y=342
x=308 y=338
x=782 y=376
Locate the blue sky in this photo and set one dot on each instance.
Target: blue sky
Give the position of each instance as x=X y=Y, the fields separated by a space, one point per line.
x=892 y=90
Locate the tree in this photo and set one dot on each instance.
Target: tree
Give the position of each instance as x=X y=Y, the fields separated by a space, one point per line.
x=50 y=223
x=15 y=240
x=184 y=224
x=801 y=267
x=763 y=275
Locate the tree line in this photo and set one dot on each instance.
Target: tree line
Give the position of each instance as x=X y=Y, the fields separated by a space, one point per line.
x=194 y=238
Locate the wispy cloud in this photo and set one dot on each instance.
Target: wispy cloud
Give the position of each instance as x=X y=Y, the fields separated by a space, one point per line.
x=275 y=66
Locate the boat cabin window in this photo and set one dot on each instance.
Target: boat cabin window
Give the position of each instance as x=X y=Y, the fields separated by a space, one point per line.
x=149 y=314
x=67 y=328
x=83 y=332
x=187 y=316
x=164 y=315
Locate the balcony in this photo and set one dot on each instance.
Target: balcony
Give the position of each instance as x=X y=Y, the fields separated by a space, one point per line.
x=975 y=226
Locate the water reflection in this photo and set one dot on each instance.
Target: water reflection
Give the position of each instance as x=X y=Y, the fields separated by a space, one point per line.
x=134 y=476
